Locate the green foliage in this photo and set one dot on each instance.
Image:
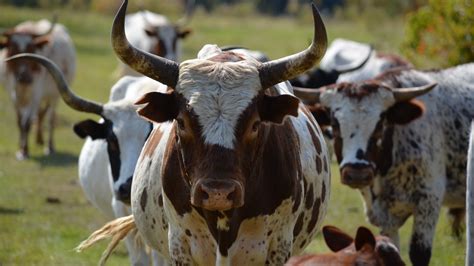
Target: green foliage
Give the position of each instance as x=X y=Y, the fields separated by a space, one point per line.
x=442 y=32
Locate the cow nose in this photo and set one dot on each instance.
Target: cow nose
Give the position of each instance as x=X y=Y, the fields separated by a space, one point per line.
x=357 y=175
x=217 y=195
x=124 y=191
x=24 y=78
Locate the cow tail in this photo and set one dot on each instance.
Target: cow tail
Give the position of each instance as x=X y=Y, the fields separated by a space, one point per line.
x=117 y=230
x=470 y=201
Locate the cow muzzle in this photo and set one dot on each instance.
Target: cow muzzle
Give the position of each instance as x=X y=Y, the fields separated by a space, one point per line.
x=217 y=195
x=124 y=191
x=357 y=175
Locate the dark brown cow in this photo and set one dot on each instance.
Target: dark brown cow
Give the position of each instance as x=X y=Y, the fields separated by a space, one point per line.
x=236 y=170
x=365 y=249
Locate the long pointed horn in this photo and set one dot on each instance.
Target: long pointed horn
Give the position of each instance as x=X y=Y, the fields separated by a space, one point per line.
x=406 y=94
x=54 y=21
x=309 y=96
x=289 y=67
x=355 y=65
x=68 y=96
x=160 y=69
x=188 y=13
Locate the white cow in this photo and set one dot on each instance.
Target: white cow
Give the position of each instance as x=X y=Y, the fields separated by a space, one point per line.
x=470 y=201
x=30 y=87
x=155 y=34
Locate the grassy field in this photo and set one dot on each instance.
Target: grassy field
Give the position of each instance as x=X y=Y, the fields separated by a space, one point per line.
x=35 y=232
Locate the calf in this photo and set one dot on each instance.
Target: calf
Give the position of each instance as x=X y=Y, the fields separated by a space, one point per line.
x=31 y=89
x=366 y=249
x=226 y=177
x=406 y=156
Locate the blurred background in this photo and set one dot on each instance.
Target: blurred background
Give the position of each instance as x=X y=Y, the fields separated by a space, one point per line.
x=43 y=213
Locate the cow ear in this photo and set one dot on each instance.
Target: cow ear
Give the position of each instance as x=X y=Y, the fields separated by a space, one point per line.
x=183 y=33
x=161 y=107
x=275 y=108
x=402 y=113
x=336 y=239
x=364 y=237
x=41 y=41
x=90 y=128
x=3 y=44
x=320 y=113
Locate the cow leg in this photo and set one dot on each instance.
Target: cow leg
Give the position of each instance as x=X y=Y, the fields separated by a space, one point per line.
x=424 y=226
x=39 y=126
x=136 y=249
x=178 y=249
x=24 y=125
x=51 y=115
x=457 y=216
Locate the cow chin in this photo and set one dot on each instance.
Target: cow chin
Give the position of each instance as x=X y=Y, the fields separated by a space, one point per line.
x=357 y=176
x=217 y=194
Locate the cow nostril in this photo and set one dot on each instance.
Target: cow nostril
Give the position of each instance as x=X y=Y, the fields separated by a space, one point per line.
x=231 y=195
x=205 y=195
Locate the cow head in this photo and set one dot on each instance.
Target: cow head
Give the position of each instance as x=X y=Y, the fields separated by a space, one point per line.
x=362 y=116
x=365 y=248
x=21 y=41
x=217 y=104
x=125 y=133
x=121 y=128
x=166 y=36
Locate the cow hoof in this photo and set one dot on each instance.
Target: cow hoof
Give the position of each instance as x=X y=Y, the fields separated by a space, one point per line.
x=48 y=151
x=21 y=155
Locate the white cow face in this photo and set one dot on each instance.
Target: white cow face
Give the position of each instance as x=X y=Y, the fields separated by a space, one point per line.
x=362 y=117
x=125 y=133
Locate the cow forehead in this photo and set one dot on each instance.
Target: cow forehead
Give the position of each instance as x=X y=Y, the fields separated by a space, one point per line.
x=218 y=93
x=166 y=32
x=21 y=41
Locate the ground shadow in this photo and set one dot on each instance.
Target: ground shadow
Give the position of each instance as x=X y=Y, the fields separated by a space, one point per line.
x=10 y=211
x=59 y=158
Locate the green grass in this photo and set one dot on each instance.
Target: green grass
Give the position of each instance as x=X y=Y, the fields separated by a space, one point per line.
x=34 y=232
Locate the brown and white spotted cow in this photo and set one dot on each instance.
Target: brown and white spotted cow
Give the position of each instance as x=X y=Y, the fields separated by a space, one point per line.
x=32 y=90
x=236 y=170
x=406 y=156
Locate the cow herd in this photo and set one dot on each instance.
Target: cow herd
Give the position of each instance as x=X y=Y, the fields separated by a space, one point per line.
x=220 y=160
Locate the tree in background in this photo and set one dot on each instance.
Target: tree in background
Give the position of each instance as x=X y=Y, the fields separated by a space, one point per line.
x=272 y=7
x=442 y=31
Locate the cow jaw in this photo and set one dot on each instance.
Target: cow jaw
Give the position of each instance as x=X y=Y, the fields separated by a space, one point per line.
x=355 y=119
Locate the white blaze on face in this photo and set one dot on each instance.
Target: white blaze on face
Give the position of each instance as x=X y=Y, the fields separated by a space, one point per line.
x=218 y=93
x=357 y=119
x=167 y=34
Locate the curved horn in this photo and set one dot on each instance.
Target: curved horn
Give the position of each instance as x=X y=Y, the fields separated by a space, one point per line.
x=188 y=13
x=54 y=21
x=355 y=65
x=155 y=67
x=309 y=96
x=68 y=96
x=406 y=94
x=289 y=67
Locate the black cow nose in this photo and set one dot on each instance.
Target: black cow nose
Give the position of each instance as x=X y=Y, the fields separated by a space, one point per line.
x=124 y=191
x=217 y=195
x=357 y=175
